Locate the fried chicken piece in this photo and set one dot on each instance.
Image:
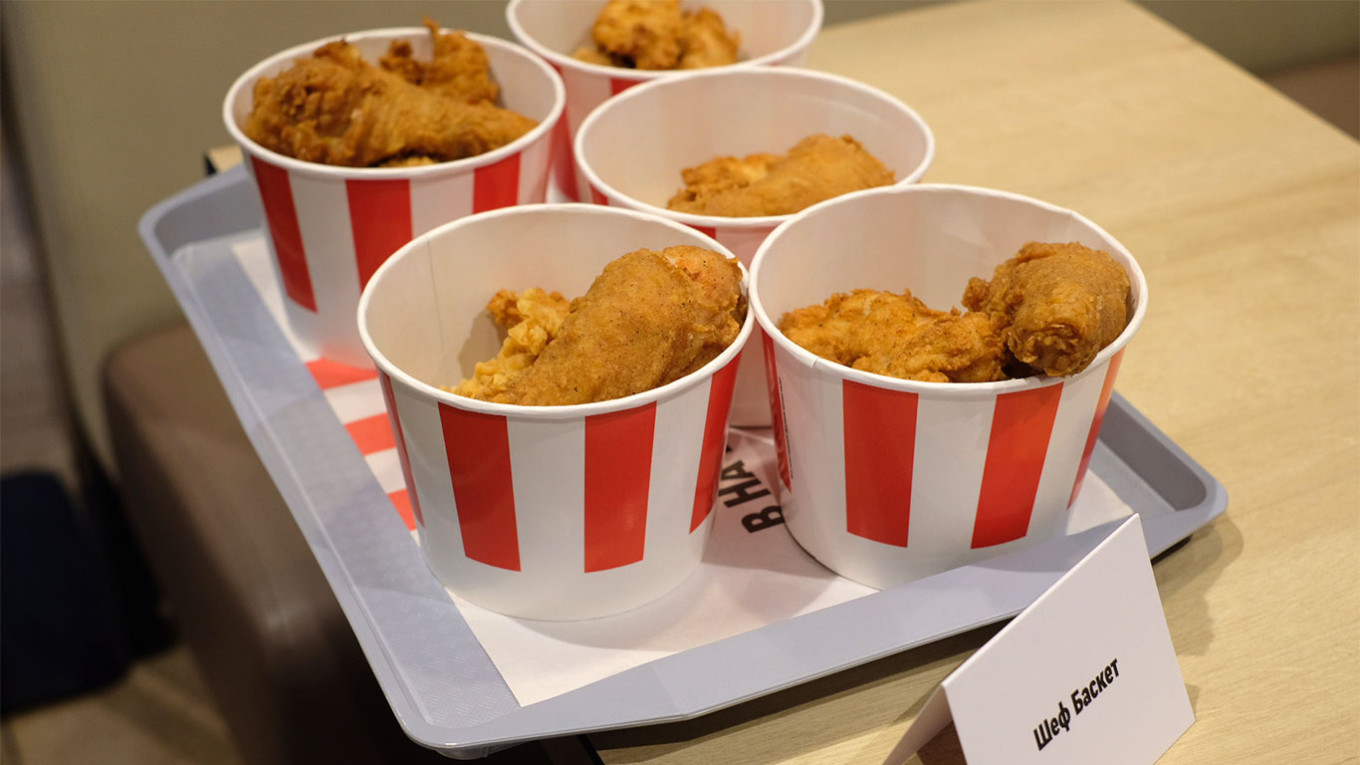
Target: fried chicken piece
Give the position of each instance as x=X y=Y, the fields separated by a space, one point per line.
x=532 y=319
x=706 y=41
x=1062 y=304
x=335 y=108
x=592 y=55
x=818 y=167
x=459 y=68
x=897 y=335
x=657 y=34
x=644 y=34
x=409 y=161
x=648 y=319
x=723 y=174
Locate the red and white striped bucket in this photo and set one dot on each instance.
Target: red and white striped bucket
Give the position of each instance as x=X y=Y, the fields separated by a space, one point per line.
x=329 y=228
x=773 y=33
x=889 y=480
x=543 y=512
x=673 y=124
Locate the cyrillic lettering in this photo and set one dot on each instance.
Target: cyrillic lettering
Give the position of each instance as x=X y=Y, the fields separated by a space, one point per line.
x=742 y=492
x=770 y=516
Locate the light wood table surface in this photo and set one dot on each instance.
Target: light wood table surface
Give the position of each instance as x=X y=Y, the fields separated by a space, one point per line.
x=1244 y=211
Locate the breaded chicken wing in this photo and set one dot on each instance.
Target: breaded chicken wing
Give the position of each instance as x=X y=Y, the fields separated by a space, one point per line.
x=335 y=108
x=648 y=319
x=1062 y=303
x=898 y=335
x=817 y=168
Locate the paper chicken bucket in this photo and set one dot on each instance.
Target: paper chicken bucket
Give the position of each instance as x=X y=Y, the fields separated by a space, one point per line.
x=329 y=227
x=772 y=33
x=889 y=480
x=543 y=512
x=674 y=124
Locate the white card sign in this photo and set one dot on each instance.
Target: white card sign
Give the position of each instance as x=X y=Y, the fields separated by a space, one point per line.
x=1086 y=674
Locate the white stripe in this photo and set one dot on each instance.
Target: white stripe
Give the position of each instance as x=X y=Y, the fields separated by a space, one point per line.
x=534 y=168
x=751 y=397
x=1076 y=409
x=424 y=438
x=356 y=401
x=743 y=242
x=438 y=200
x=386 y=467
x=816 y=450
x=548 y=462
x=677 y=447
x=323 y=218
x=585 y=91
x=950 y=454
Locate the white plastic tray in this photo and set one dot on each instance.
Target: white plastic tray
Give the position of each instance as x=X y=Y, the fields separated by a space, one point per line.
x=443 y=688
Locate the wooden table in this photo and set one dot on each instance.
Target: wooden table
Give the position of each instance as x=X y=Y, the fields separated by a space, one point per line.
x=1244 y=211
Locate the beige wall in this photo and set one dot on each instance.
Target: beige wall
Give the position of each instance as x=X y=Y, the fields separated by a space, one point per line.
x=114 y=103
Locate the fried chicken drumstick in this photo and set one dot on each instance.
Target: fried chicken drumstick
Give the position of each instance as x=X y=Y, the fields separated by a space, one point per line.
x=337 y=109
x=648 y=319
x=1063 y=302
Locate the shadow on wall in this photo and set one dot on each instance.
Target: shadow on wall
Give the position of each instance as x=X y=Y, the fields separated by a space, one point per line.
x=1267 y=36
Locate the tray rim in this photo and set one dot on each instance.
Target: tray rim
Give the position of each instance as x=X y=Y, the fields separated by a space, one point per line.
x=161 y=235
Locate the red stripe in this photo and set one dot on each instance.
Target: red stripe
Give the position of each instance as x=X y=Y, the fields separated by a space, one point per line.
x=715 y=441
x=391 y=400
x=380 y=219
x=332 y=374
x=478 y=450
x=276 y=195
x=1105 y=390
x=496 y=185
x=708 y=231
x=618 y=476
x=597 y=197
x=781 y=436
x=372 y=434
x=1021 y=425
x=617 y=86
x=880 y=447
x=401 y=500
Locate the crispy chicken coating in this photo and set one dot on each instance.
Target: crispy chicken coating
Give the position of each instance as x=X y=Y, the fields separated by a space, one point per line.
x=1062 y=304
x=532 y=319
x=657 y=34
x=335 y=108
x=706 y=41
x=459 y=68
x=897 y=335
x=643 y=32
x=817 y=168
x=648 y=319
